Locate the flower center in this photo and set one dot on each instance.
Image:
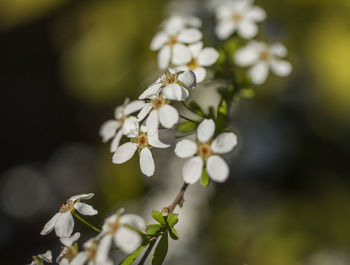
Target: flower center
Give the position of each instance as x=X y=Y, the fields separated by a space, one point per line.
x=158 y=102
x=169 y=78
x=172 y=41
x=91 y=251
x=237 y=17
x=70 y=253
x=204 y=151
x=69 y=206
x=193 y=64
x=113 y=227
x=142 y=140
x=121 y=120
x=264 y=55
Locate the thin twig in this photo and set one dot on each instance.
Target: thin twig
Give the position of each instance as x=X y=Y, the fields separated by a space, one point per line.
x=85 y=222
x=188 y=119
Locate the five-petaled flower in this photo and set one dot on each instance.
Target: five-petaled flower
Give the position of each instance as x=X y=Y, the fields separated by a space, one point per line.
x=119 y=228
x=171 y=41
x=261 y=57
x=63 y=221
x=238 y=16
x=204 y=153
x=69 y=251
x=123 y=124
x=41 y=258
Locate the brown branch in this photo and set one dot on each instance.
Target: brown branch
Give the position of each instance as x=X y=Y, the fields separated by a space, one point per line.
x=179 y=199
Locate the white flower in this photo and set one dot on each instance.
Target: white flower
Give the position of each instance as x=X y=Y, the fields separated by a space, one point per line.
x=92 y=255
x=69 y=251
x=200 y=57
x=116 y=228
x=240 y=16
x=41 y=258
x=172 y=86
x=260 y=58
x=171 y=40
x=204 y=153
x=122 y=124
x=139 y=140
x=63 y=221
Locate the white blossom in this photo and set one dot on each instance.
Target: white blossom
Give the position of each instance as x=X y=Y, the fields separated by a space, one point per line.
x=171 y=40
x=69 y=251
x=41 y=258
x=122 y=124
x=63 y=221
x=200 y=57
x=204 y=153
x=239 y=16
x=142 y=142
x=260 y=58
x=116 y=228
x=172 y=86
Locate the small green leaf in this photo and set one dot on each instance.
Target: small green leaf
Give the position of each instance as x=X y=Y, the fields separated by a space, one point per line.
x=212 y=112
x=186 y=127
x=129 y=259
x=173 y=233
x=159 y=217
x=205 y=178
x=196 y=108
x=222 y=109
x=153 y=229
x=247 y=93
x=221 y=122
x=172 y=219
x=161 y=250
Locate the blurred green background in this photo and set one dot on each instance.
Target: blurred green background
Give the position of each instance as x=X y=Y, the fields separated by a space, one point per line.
x=65 y=66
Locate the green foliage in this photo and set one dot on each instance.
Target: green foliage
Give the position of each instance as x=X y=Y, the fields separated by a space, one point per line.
x=221 y=121
x=173 y=233
x=159 y=218
x=172 y=219
x=205 y=180
x=186 y=127
x=129 y=259
x=247 y=93
x=197 y=109
x=154 y=229
x=161 y=250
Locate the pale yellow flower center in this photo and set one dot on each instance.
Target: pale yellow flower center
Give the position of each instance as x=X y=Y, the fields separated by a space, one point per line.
x=173 y=40
x=193 y=64
x=69 y=206
x=142 y=140
x=70 y=252
x=91 y=251
x=264 y=55
x=204 y=151
x=237 y=17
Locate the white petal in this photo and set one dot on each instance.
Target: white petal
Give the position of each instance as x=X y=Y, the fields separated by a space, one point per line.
x=259 y=73
x=116 y=141
x=119 y=111
x=103 y=248
x=164 y=56
x=217 y=169
x=172 y=92
x=168 y=116
x=146 y=162
x=181 y=54
x=200 y=73
x=188 y=79
x=280 y=67
x=185 y=148
x=133 y=106
x=151 y=90
x=196 y=49
x=127 y=240
x=69 y=241
x=256 y=13
x=82 y=197
x=192 y=170
x=124 y=153
x=79 y=259
x=85 y=209
x=64 y=225
x=134 y=220
x=152 y=122
x=278 y=49
x=205 y=130
x=50 y=225
x=189 y=35
x=185 y=93
x=159 y=40
x=174 y=24
x=144 y=112
x=154 y=141
x=247 y=29
x=225 y=28
x=47 y=256
x=208 y=56
x=246 y=56
x=130 y=124
x=63 y=261
x=224 y=143
x=108 y=129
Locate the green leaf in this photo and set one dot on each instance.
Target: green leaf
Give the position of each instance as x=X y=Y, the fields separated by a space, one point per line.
x=159 y=217
x=172 y=219
x=247 y=93
x=222 y=109
x=205 y=180
x=153 y=229
x=212 y=112
x=186 y=127
x=161 y=250
x=129 y=259
x=196 y=108
x=173 y=233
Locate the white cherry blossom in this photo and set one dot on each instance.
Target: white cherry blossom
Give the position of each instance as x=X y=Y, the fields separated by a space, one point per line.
x=204 y=153
x=171 y=40
x=42 y=258
x=116 y=229
x=69 y=251
x=239 y=16
x=63 y=221
x=122 y=124
x=172 y=86
x=260 y=58
x=200 y=57
x=142 y=142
